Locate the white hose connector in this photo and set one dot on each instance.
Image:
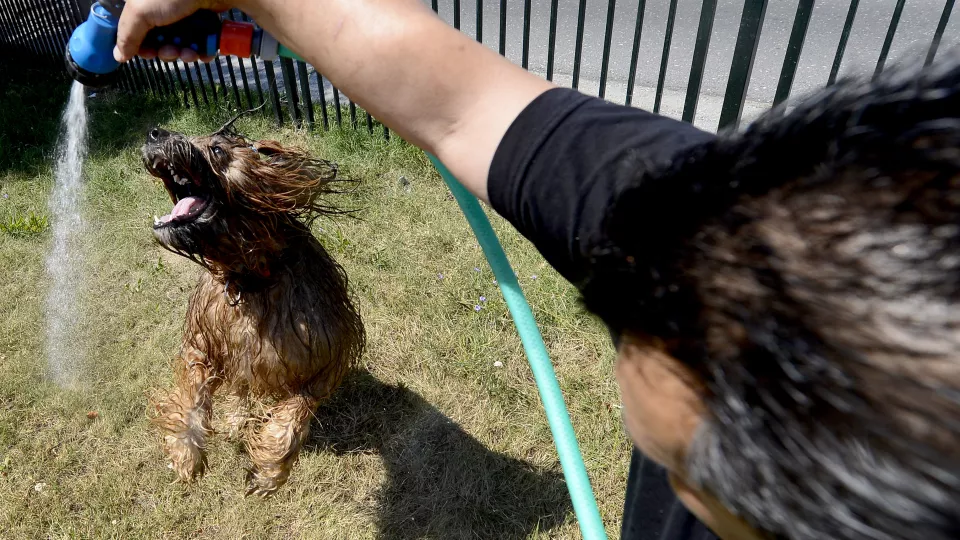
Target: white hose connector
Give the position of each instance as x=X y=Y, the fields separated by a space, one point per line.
x=269 y=47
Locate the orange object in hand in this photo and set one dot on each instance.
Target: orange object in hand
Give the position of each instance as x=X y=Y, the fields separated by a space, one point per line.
x=236 y=39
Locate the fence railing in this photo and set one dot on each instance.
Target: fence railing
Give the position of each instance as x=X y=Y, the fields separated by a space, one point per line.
x=597 y=46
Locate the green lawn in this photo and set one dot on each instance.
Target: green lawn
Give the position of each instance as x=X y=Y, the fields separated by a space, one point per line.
x=427 y=440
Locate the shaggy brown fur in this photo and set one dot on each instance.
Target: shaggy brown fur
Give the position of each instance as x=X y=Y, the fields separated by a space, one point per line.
x=272 y=318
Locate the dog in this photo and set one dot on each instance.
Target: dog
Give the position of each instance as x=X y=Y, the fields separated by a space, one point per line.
x=271 y=320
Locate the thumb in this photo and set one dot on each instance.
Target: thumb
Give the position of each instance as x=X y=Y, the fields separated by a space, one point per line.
x=133 y=27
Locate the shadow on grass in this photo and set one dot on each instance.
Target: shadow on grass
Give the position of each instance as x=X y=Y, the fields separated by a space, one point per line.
x=32 y=99
x=441 y=482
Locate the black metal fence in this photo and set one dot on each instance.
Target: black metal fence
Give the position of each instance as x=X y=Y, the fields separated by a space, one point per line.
x=560 y=41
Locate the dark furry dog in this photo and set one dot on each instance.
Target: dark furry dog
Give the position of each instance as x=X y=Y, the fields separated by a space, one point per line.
x=806 y=273
x=272 y=316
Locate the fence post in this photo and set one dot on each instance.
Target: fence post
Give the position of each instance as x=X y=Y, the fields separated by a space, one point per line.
x=744 y=53
x=844 y=36
x=255 y=64
x=938 y=35
x=36 y=26
x=337 y=112
x=708 y=13
x=887 y=41
x=635 y=53
x=203 y=87
x=164 y=71
x=146 y=75
x=4 y=35
x=794 y=47
x=243 y=70
x=578 y=46
x=665 y=56
x=233 y=83
x=63 y=26
x=305 y=90
x=212 y=81
x=274 y=91
x=503 y=27
x=190 y=85
x=552 y=40
x=479 y=22
x=525 y=58
x=290 y=85
x=5 y=27
x=323 y=100
x=183 y=87
x=607 y=37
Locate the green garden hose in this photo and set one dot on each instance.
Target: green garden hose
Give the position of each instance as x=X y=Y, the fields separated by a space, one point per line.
x=581 y=494
x=283 y=51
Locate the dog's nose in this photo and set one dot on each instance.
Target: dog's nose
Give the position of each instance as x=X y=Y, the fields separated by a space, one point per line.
x=157 y=134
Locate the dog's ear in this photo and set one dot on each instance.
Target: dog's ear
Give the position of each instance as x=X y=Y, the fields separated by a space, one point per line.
x=287 y=180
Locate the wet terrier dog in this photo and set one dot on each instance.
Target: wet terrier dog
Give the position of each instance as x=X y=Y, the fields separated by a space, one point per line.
x=272 y=318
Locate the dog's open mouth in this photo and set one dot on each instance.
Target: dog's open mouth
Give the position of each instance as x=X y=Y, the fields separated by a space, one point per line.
x=186 y=191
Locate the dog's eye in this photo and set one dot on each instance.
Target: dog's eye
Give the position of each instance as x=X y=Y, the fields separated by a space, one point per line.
x=217 y=151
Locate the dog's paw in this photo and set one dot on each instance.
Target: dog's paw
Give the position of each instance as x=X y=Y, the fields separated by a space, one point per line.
x=188 y=461
x=261 y=486
x=235 y=426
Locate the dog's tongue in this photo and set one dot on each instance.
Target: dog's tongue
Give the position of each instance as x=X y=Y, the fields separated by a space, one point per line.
x=185 y=206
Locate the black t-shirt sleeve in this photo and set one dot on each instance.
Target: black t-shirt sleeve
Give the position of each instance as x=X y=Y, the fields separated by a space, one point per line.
x=561 y=161
x=553 y=176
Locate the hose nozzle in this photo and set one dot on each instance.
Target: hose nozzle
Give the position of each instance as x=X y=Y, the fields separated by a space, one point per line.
x=89 y=55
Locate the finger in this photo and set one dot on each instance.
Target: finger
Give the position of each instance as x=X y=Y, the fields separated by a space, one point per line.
x=168 y=53
x=133 y=27
x=207 y=59
x=147 y=54
x=188 y=55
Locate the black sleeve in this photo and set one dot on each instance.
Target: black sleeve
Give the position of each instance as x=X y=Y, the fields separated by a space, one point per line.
x=560 y=162
x=553 y=176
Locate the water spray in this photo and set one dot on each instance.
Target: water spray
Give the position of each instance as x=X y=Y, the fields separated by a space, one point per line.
x=89 y=54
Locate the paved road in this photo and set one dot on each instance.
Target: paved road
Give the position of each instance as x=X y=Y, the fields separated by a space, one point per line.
x=919 y=20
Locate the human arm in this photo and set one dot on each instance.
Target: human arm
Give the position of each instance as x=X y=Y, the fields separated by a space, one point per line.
x=556 y=167
x=434 y=86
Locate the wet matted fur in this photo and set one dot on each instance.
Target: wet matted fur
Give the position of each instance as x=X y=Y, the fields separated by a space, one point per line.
x=806 y=270
x=272 y=318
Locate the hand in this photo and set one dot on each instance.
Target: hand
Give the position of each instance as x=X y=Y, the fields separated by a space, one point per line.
x=139 y=16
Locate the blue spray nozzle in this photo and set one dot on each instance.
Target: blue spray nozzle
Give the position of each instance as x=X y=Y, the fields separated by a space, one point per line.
x=89 y=54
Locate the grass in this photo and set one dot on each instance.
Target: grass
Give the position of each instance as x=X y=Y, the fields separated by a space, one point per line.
x=25 y=224
x=429 y=439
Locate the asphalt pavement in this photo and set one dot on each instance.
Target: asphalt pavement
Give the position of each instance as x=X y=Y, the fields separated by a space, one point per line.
x=914 y=33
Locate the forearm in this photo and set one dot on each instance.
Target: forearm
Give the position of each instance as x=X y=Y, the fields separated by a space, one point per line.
x=433 y=85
